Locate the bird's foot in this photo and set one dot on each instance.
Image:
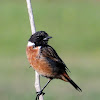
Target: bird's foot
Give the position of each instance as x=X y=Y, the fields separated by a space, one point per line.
x=38 y=94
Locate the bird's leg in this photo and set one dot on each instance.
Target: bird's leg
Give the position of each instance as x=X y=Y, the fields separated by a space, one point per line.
x=41 y=92
x=46 y=84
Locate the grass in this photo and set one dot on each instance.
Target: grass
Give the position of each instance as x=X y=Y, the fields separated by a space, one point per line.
x=74 y=26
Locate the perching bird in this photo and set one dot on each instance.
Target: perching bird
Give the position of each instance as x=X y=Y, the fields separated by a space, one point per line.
x=44 y=59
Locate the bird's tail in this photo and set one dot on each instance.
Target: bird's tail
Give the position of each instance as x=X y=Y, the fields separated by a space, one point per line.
x=72 y=83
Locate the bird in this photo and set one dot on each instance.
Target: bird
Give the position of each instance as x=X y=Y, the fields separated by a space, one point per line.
x=45 y=60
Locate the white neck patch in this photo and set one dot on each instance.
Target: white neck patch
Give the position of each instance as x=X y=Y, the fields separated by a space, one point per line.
x=30 y=44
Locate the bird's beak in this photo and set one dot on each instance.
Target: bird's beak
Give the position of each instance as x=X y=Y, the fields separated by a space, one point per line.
x=48 y=37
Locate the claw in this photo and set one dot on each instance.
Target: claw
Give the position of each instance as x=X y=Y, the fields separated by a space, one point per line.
x=38 y=94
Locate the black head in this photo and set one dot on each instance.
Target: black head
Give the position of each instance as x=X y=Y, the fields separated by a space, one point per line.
x=40 y=38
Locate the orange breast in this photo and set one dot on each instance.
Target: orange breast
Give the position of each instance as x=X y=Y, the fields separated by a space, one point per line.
x=38 y=62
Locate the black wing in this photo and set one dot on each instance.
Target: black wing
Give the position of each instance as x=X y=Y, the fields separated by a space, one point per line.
x=51 y=54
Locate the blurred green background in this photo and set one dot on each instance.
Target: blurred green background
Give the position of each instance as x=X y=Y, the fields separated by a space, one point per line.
x=75 y=28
